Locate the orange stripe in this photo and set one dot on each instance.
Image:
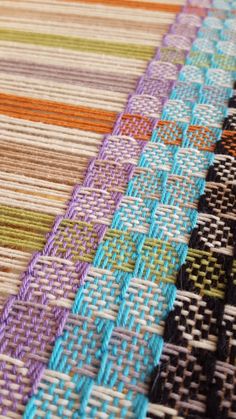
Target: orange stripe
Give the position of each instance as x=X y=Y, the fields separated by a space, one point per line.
x=50 y=112
x=173 y=8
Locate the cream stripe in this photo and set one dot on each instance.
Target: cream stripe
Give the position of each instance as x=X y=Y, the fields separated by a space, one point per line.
x=106 y=34
x=62 y=92
x=50 y=137
x=72 y=59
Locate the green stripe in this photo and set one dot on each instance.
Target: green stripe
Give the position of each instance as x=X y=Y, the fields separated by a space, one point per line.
x=79 y=44
x=23 y=229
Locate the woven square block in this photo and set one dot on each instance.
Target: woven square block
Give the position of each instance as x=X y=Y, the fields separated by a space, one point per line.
x=75 y=241
x=145 y=306
x=224 y=168
x=54 y=281
x=200 y=60
x=169 y=133
x=15 y=382
x=208 y=115
x=189 y=31
x=163 y=70
x=159 y=260
x=204 y=45
x=225 y=390
x=198 y=11
x=192 y=162
x=192 y=74
x=213 y=22
x=219 y=199
x=180 y=381
x=147 y=183
x=229 y=23
x=177 y=110
x=118 y=251
x=207 y=33
x=171 y=55
x=134 y=214
x=158 y=156
x=153 y=87
x=102 y=294
x=110 y=176
x=202 y=138
x=189 y=19
x=212 y=232
x=79 y=350
x=177 y=41
x=172 y=225
x=93 y=205
x=60 y=395
x=134 y=357
x=110 y=401
x=214 y=95
x=219 y=77
x=145 y=105
x=30 y=331
x=226 y=63
x=136 y=126
x=228 y=35
x=185 y=91
x=182 y=191
x=194 y=322
x=227 y=336
x=227 y=145
x=226 y=48
x=204 y=273
x=122 y=149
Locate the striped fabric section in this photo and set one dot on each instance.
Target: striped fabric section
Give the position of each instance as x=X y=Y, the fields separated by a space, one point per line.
x=119 y=119
x=66 y=71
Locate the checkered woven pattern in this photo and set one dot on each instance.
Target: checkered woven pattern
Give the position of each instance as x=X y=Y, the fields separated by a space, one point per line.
x=196 y=374
x=128 y=309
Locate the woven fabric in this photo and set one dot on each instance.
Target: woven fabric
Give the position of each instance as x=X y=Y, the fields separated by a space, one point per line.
x=127 y=309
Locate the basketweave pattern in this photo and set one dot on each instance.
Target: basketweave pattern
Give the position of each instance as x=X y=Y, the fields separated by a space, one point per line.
x=199 y=59
x=162 y=69
x=228 y=35
x=185 y=91
x=189 y=30
x=180 y=369
x=178 y=41
x=154 y=87
x=171 y=55
x=215 y=95
x=209 y=33
x=124 y=277
x=226 y=62
x=203 y=45
x=145 y=105
x=196 y=376
x=122 y=149
x=136 y=126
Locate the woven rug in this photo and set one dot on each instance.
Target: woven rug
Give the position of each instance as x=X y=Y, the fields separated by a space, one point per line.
x=117 y=209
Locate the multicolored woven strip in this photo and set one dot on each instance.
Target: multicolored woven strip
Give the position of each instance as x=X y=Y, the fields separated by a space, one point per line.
x=127 y=309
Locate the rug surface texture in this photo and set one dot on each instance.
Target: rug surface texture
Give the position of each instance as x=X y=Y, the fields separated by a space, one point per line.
x=118 y=209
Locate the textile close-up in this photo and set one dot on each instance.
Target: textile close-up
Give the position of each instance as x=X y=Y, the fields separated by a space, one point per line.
x=118 y=209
